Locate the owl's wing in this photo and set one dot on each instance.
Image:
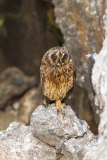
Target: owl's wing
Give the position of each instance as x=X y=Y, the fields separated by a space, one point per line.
x=42 y=76
x=68 y=95
x=46 y=101
x=70 y=91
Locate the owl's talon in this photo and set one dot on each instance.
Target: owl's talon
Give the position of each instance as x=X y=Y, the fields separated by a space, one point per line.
x=61 y=110
x=60 y=107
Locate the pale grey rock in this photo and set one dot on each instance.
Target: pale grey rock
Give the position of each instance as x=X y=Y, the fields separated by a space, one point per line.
x=81 y=23
x=70 y=135
x=78 y=21
x=76 y=148
x=99 y=77
x=99 y=80
x=17 y=142
x=65 y=136
x=91 y=58
x=52 y=127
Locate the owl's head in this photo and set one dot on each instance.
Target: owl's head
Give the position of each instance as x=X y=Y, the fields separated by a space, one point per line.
x=58 y=56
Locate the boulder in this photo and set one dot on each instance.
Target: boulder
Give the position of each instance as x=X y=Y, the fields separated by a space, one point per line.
x=18 y=143
x=52 y=127
x=13 y=83
x=51 y=135
x=28 y=103
x=99 y=81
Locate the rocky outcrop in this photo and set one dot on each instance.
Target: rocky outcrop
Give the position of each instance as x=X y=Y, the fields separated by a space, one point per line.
x=100 y=86
x=52 y=128
x=76 y=148
x=18 y=142
x=78 y=21
x=69 y=135
x=99 y=80
x=81 y=24
x=50 y=136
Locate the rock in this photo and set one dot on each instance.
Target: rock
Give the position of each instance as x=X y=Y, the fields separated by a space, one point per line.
x=28 y=103
x=91 y=58
x=18 y=143
x=78 y=21
x=51 y=128
x=90 y=63
x=99 y=80
x=81 y=105
x=13 y=82
x=79 y=146
x=20 y=109
x=65 y=137
x=70 y=135
x=99 y=77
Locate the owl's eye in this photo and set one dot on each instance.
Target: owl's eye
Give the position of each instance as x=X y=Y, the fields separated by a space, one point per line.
x=65 y=56
x=54 y=56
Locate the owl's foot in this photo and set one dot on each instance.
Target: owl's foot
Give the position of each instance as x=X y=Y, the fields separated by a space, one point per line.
x=60 y=107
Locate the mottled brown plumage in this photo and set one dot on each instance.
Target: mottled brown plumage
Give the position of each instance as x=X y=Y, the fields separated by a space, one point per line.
x=57 y=73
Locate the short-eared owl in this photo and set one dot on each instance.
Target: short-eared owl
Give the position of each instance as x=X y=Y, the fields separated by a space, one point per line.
x=57 y=74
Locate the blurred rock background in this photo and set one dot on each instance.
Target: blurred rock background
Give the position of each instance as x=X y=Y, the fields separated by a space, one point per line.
x=27 y=30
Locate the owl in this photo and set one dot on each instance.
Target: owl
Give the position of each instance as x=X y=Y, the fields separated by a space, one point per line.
x=57 y=74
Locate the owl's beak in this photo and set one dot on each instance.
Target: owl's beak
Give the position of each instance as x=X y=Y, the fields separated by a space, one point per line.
x=60 y=61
